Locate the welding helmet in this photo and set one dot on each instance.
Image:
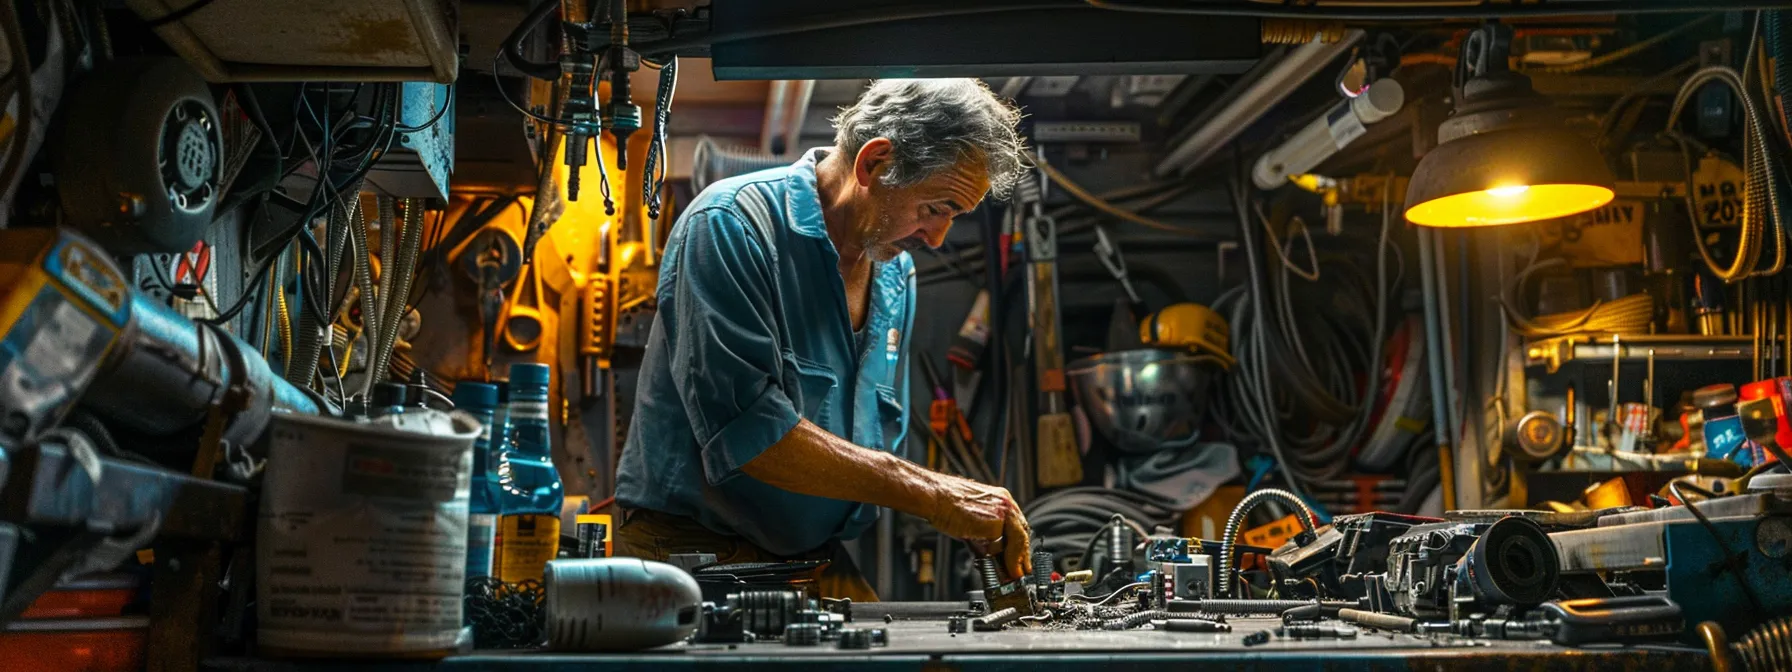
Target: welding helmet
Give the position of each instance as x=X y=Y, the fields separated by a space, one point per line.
x=1191 y=326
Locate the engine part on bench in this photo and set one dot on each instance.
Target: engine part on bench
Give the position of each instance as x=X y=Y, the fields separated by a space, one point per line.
x=995 y=620
x=956 y=624
x=1247 y=607
x=855 y=639
x=1513 y=563
x=766 y=612
x=1370 y=619
x=617 y=604
x=1349 y=547
x=1435 y=568
x=1316 y=631
x=1192 y=580
x=1257 y=638
x=802 y=634
x=1190 y=625
x=1016 y=594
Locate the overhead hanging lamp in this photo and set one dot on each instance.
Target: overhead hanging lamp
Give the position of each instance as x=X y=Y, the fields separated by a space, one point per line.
x=1503 y=156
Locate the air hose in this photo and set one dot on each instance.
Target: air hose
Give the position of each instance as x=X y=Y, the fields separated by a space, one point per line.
x=1761 y=196
x=1238 y=513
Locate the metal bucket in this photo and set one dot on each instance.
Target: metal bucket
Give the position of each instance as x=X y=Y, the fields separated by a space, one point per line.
x=362 y=544
x=1145 y=400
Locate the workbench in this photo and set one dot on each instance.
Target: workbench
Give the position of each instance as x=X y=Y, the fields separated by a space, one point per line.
x=925 y=645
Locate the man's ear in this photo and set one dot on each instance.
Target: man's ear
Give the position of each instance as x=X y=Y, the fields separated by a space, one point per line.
x=872 y=161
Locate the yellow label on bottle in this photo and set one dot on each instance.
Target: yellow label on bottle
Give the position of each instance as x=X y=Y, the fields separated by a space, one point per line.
x=525 y=545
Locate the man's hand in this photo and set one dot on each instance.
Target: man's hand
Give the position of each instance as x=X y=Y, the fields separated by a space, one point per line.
x=982 y=513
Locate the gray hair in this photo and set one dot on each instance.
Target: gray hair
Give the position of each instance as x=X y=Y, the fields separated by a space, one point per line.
x=932 y=125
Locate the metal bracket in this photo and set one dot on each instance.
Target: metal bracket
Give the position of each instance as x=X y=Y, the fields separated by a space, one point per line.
x=1109 y=254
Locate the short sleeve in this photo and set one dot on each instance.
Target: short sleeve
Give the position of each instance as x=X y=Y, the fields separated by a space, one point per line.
x=726 y=361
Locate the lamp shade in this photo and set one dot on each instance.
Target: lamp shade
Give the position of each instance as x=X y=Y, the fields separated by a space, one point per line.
x=1508 y=176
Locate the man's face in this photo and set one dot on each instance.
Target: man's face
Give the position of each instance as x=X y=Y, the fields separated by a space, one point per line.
x=913 y=217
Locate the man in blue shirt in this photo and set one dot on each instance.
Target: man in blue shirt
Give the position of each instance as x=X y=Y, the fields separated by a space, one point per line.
x=772 y=403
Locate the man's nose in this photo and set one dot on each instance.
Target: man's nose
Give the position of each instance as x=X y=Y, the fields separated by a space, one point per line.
x=936 y=233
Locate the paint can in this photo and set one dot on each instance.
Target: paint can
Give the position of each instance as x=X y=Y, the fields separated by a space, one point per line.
x=362 y=540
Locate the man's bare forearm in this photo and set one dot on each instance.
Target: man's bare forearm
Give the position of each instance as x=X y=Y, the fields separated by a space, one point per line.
x=811 y=461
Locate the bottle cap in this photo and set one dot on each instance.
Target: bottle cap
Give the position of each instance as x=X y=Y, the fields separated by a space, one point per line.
x=386 y=395
x=475 y=395
x=529 y=374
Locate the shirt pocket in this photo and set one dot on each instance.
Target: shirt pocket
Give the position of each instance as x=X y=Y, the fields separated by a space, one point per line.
x=894 y=421
x=814 y=386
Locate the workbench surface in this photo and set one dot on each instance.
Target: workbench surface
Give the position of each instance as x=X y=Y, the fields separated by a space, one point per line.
x=925 y=644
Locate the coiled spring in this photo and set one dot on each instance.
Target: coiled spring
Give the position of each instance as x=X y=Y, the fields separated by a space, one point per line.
x=1768 y=647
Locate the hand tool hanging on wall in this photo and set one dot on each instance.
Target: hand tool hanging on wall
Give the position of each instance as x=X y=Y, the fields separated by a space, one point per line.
x=1059 y=461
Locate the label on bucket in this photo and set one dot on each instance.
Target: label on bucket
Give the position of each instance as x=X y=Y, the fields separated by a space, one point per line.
x=363 y=538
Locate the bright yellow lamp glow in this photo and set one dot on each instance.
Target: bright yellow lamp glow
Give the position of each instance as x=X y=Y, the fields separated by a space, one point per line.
x=1509 y=205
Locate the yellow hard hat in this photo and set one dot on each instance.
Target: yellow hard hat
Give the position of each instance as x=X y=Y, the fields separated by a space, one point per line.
x=1189 y=325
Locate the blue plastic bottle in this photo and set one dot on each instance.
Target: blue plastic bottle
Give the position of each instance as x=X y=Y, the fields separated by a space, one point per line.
x=529 y=486
x=480 y=400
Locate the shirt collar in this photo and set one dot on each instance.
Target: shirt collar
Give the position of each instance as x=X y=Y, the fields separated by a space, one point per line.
x=804 y=200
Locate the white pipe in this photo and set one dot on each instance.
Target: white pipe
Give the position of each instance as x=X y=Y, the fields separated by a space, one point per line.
x=1293 y=70
x=1328 y=134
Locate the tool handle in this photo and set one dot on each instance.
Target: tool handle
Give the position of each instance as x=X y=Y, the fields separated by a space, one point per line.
x=1379 y=621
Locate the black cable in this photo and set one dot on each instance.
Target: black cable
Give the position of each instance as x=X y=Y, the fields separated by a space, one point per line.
x=841 y=20
x=447 y=97
x=176 y=15
x=1433 y=13
x=506 y=95
x=512 y=48
x=1732 y=560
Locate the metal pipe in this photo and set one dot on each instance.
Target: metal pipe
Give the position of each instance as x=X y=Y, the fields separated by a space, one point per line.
x=803 y=91
x=1434 y=358
x=774 y=117
x=1287 y=75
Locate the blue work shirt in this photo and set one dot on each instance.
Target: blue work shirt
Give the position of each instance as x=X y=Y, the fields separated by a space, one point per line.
x=753 y=333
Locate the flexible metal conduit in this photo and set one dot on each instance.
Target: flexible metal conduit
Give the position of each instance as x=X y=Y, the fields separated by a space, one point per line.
x=394 y=303
x=370 y=323
x=1295 y=69
x=1239 y=512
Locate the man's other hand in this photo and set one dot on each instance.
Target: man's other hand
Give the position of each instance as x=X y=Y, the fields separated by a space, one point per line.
x=976 y=512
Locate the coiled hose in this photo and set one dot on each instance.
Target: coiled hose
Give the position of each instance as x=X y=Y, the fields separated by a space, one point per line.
x=1068 y=522
x=1305 y=360
x=1238 y=513
x=1761 y=197
x=711 y=163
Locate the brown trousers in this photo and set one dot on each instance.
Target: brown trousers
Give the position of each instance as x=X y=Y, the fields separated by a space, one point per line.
x=657 y=536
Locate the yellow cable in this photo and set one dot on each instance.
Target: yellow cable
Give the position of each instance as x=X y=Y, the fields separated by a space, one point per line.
x=285 y=326
x=1096 y=202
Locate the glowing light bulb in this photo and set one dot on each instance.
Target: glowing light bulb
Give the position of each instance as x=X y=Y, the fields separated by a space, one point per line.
x=1508 y=192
